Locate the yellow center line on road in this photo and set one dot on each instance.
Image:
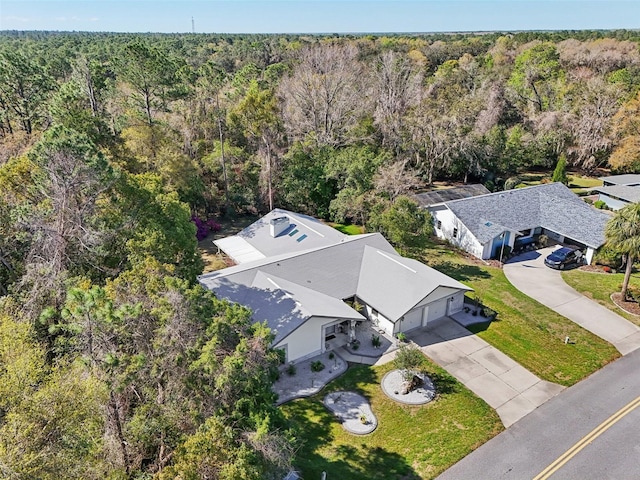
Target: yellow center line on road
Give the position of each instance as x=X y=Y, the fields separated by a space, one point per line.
x=586 y=440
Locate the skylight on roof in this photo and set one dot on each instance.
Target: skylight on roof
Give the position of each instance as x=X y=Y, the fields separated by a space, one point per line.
x=293 y=232
x=301 y=237
x=488 y=224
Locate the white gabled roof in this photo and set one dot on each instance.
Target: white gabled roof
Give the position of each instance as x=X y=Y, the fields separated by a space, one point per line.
x=302 y=233
x=393 y=284
x=286 y=289
x=238 y=249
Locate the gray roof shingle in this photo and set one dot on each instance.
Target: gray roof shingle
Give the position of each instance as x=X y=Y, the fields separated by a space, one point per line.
x=627 y=179
x=623 y=192
x=434 y=197
x=552 y=206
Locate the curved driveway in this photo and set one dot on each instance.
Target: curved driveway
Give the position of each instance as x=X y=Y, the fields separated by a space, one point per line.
x=528 y=273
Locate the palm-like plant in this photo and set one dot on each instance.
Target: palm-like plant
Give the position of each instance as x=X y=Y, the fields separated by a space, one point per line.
x=623 y=234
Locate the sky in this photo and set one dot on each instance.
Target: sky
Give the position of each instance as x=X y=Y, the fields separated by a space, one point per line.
x=317 y=16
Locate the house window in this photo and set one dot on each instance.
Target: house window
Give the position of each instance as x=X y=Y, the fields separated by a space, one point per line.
x=455 y=233
x=439 y=225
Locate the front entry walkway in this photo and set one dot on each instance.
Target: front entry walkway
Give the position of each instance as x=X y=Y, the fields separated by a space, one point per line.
x=529 y=274
x=505 y=385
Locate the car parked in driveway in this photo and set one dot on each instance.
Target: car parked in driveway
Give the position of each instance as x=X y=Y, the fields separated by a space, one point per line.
x=565 y=257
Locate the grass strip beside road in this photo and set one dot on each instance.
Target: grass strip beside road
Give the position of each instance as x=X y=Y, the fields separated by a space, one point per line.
x=411 y=442
x=527 y=331
x=600 y=286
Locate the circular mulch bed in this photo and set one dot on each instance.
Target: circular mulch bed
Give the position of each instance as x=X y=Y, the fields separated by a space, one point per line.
x=630 y=307
x=353 y=411
x=392 y=386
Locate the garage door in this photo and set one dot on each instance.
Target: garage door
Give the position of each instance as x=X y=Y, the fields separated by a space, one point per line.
x=437 y=310
x=412 y=320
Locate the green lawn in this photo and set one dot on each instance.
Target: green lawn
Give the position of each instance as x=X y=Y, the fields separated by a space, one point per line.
x=411 y=442
x=527 y=331
x=578 y=183
x=600 y=286
x=347 y=229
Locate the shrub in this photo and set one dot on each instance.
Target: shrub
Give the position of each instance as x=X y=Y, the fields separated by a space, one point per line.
x=332 y=355
x=204 y=227
x=609 y=257
x=375 y=340
x=506 y=251
x=600 y=205
x=401 y=336
x=511 y=183
x=409 y=359
x=489 y=313
x=588 y=200
x=291 y=369
x=543 y=241
x=317 y=366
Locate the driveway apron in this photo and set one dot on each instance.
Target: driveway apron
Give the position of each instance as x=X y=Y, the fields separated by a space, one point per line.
x=531 y=276
x=505 y=385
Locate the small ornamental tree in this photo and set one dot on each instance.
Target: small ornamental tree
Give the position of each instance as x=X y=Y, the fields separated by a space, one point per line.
x=560 y=173
x=409 y=360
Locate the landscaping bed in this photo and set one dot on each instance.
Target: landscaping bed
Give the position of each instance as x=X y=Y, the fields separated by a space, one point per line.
x=601 y=286
x=410 y=442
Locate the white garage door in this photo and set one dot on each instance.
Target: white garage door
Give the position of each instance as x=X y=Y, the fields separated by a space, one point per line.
x=412 y=320
x=437 y=309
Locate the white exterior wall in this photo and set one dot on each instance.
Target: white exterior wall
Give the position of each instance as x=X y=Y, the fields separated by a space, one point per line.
x=307 y=340
x=380 y=320
x=464 y=240
x=436 y=303
x=457 y=303
x=412 y=319
x=612 y=203
x=437 y=309
x=589 y=255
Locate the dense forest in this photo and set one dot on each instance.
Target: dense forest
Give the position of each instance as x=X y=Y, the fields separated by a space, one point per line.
x=114 y=362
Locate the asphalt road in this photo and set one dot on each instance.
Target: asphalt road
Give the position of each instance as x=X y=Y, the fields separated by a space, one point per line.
x=580 y=417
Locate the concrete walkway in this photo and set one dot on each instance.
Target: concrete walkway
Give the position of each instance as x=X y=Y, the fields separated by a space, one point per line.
x=529 y=274
x=505 y=385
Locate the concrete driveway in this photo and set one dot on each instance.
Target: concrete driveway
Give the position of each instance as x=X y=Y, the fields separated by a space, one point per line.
x=529 y=274
x=505 y=385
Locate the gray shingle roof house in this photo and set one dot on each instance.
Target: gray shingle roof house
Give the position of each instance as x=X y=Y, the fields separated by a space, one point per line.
x=482 y=224
x=632 y=180
x=618 y=191
x=307 y=296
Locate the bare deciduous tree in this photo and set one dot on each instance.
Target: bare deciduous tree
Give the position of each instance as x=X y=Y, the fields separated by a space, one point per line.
x=324 y=96
x=397 y=88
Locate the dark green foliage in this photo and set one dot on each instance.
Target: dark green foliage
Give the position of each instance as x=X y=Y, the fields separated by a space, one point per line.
x=403 y=223
x=410 y=360
x=560 y=172
x=317 y=366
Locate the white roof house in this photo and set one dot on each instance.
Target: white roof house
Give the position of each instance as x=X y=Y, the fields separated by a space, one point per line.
x=306 y=295
x=482 y=224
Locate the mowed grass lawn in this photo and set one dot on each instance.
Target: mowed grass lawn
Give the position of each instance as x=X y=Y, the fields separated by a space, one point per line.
x=527 y=331
x=411 y=442
x=600 y=286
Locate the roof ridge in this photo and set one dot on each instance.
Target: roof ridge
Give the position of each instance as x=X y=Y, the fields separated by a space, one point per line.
x=502 y=192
